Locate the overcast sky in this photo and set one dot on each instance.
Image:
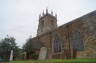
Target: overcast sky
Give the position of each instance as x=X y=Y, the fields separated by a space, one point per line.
x=19 y=18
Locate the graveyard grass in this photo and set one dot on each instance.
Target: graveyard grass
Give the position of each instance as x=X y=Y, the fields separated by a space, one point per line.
x=56 y=61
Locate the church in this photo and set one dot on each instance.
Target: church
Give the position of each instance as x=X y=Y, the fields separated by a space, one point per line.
x=75 y=39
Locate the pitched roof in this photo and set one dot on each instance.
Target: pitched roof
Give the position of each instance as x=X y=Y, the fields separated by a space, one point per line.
x=36 y=44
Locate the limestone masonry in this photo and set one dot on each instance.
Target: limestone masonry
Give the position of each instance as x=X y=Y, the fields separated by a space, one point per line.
x=76 y=39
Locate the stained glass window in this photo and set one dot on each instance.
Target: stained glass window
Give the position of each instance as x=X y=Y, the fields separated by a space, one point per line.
x=57 y=44
x=77 y=41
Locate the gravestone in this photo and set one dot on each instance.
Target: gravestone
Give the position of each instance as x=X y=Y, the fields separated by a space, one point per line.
x=11 y=55
x=43 y=53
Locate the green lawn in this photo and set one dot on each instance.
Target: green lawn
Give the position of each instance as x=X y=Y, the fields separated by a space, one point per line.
x=57 y=61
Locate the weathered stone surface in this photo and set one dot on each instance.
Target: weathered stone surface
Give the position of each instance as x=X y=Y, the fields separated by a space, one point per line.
x=78 y=35
x=43 y=53
x=47 y=23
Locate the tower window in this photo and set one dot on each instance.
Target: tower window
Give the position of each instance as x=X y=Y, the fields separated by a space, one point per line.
x=52 y=22
x=42 y=25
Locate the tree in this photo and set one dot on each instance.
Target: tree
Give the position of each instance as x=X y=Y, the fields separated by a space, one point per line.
x=6 y=45
x=28 y=46
x=29 y=49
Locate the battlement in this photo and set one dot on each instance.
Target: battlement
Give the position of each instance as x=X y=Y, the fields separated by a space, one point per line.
x=47 y=13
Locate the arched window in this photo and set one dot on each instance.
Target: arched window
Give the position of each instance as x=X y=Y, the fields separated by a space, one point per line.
x=77 y=41
x=57 y=44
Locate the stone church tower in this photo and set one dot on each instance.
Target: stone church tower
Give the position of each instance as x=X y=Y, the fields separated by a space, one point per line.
x=76 y=39
x=47 y=22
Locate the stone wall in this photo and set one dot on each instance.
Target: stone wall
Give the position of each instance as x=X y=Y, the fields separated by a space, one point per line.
x=79 y=32
x=89 y=32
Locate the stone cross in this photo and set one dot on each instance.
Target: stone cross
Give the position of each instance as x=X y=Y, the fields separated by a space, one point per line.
x=11 y=55
x=43 y=53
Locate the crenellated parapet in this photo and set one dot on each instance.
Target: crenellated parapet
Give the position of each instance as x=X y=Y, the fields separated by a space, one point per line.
x=47 y=13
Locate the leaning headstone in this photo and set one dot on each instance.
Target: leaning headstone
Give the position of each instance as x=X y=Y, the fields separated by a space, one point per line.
x=43 y=53
x=11 y=55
